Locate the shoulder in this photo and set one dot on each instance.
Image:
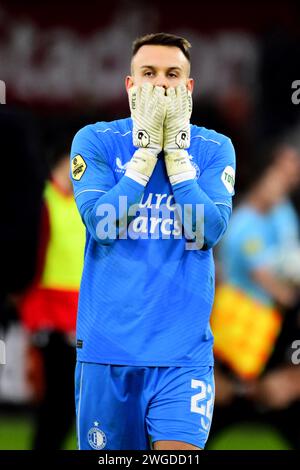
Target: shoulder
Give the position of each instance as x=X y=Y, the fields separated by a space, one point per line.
x=105 y=130
x=212 y=147
x=103 y=137
x=208 y=137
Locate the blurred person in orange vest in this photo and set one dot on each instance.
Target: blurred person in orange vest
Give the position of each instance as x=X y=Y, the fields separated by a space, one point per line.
x=48 y=308
x=256 y=309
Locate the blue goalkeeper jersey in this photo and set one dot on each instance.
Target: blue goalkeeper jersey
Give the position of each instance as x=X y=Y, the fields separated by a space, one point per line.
x=146 y=299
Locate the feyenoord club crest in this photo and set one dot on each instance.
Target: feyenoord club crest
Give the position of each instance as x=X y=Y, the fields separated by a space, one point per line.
x=96 y=437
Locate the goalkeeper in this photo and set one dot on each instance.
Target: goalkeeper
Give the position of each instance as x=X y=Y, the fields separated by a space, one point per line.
x=155 y=195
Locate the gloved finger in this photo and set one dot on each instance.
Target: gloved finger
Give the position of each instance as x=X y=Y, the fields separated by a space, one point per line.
x=159 y=94
x=146 y=92
x=184 y=98
x=181 y=94
x=154 y=101
x=147 y=87
x=171 y=93
x=167 y=102
x=133 y=97
x=171 y=101
x=190 y=102
x=173 y=105
x=181 y=90
x=159 y=91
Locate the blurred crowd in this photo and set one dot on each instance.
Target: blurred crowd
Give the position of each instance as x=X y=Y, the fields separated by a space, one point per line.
x=256 y=316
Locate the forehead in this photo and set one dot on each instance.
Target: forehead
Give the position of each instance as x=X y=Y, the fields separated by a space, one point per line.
x=160 y=57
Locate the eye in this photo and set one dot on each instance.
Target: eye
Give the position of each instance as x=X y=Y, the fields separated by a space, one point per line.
x=148 y=74
x=172 y=75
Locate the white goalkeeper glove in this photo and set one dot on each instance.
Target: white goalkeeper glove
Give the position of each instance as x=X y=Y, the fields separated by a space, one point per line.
x=177 y=134
x=148 y=112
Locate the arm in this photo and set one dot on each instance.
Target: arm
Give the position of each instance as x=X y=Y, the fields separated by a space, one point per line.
x=97 y=195
x=254 y=253
x=279 y=388
x=106 y=217
x=279 y=290
x=216 y=217
x=218 y=176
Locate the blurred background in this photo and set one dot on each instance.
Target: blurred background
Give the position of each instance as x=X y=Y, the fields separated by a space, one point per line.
x=63 y=64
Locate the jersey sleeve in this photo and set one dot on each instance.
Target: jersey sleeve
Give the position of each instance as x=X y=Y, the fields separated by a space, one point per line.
x=91 y=173
x=218 y=177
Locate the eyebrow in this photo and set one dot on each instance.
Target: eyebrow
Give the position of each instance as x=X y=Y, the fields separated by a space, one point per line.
x=152 y=67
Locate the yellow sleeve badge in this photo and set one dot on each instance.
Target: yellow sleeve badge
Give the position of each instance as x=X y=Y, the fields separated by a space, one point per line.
x=78 y=167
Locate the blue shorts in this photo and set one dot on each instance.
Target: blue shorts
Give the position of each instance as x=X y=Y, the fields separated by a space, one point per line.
x=128 y=407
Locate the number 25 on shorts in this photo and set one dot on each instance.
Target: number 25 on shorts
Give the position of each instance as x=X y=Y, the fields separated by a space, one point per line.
x=202 y=402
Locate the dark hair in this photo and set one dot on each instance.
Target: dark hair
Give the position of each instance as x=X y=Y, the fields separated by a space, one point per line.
x=162 y=39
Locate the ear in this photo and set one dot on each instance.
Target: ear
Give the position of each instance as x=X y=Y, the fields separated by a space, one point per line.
x=128 y=82
x=190 y=84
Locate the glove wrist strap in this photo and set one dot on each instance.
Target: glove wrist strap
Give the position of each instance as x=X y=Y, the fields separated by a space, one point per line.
x=141 y=166
x=179 y=166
